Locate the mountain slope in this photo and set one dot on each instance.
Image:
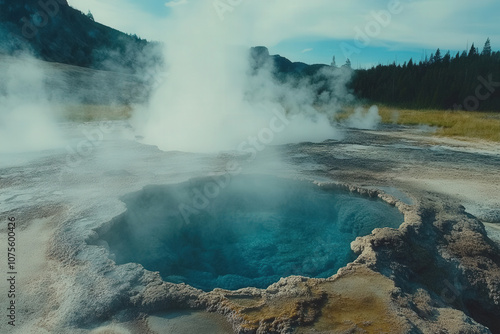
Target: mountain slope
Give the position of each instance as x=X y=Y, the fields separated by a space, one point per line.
x=53 y=31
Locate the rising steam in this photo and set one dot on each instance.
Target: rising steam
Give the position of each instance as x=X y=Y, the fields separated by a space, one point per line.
x=364 y=119
x=212 y=99
x=26 y=115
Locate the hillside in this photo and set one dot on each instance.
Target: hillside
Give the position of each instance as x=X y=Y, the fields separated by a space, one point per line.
x=72 y=85
x=55 y=32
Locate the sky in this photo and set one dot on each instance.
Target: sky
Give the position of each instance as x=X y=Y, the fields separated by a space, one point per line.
x=368 y=32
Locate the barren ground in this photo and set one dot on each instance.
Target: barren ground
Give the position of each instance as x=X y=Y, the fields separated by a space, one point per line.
x=65 y=285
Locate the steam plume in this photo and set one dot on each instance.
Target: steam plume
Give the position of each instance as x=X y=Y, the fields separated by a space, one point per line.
x=214 y=100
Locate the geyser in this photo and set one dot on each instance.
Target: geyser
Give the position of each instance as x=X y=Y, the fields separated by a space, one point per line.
x=212 y=99
x=242 y=232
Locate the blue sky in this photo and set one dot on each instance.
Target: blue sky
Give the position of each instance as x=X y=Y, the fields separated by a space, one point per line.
x=313 y=31
x=322 y=51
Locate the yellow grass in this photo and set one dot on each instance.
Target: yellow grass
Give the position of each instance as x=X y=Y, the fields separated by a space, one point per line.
x=464 y=124
x=481 y=125
x=90 y=112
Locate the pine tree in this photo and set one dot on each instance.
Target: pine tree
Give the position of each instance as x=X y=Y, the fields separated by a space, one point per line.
x=436 y=82
x=90 y=16
x=447 y=57
x=334 y=62
x=472 y=51
x=487 y=48
x=437 y=56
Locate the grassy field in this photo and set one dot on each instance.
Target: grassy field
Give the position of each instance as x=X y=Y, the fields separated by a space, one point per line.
x=480 y=125
x=459 y=124
x=90 y=112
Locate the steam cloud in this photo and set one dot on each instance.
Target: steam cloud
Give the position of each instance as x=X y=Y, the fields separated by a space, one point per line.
x=364 y=119
x=212 y=98
x=27 y=120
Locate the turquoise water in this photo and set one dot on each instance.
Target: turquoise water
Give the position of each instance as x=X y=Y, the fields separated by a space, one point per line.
x=250 y=231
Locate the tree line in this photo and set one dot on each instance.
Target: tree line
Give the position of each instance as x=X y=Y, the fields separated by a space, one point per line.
x=469 y=80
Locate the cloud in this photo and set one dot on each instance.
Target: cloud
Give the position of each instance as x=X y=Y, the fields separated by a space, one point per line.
x=27 y=115
x=175 y=3
x=307 y=50
x=447 y=24
x=424 y=23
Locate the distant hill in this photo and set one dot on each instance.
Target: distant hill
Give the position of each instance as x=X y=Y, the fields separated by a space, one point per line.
x=53 y=31
x=327 y=82
x=283 y=67
x=122 y=68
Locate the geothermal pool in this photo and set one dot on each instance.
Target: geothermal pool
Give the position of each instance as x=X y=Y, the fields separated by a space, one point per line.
x=244 y=231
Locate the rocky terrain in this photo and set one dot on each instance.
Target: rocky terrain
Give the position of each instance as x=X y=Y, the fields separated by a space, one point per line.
x=438 y=273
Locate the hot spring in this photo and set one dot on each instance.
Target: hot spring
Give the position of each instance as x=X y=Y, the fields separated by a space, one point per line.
x=245 y=231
